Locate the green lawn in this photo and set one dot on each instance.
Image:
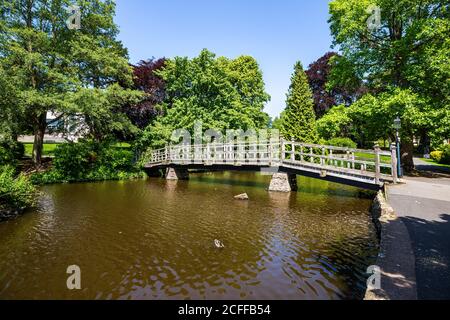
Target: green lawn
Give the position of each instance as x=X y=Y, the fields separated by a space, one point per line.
x=123 y=145
x=431 y=161
x=371 y=157
x=49 y=149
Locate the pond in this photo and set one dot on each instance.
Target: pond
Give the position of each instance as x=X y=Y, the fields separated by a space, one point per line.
x=155 y=239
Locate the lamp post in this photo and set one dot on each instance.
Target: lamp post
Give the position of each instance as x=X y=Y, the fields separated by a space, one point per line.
x=397 y=127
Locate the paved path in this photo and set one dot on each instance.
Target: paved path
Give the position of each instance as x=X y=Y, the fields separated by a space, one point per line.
x=423 y=204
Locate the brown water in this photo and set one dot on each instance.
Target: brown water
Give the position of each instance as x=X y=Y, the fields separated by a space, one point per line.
x=154 y=239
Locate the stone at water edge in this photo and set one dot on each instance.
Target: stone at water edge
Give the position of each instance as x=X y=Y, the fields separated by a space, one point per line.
x=243 y=196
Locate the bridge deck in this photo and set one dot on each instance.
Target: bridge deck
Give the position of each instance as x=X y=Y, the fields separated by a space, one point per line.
x=366 y=168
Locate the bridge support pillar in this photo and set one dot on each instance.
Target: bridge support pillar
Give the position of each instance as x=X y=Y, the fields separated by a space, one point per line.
x=177 y=174
x=154 y=173
x=283 y=182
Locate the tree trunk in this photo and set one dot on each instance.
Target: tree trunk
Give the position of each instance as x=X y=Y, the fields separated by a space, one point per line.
x=39 y=133
x=14 y=137
x=425 y=144
x=407 y=154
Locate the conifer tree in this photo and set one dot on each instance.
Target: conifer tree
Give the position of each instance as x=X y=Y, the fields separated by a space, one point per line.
x=298 y=121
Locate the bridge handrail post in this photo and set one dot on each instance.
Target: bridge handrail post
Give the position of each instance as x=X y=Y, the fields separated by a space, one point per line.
x=293 y=150
x=353 y=161
x=394 y=162
x=348 y=160
x=377 y=164
x=180 y=151
x=323 y=160
x=208 y=153
x=166 y=154
x=283 y=150
x=231 y=151
x=225 y=152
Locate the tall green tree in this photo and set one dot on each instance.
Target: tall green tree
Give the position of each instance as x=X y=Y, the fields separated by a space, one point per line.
x=52 y=65
x=336 y=123
x=99 y=113
x=222 y=93
x=33 y=51
x=298 y=121
x=10 y=111
x=407 y=49
x=11 y=121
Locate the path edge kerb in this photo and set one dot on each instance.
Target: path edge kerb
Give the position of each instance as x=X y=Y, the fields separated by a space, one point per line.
x=396 y=258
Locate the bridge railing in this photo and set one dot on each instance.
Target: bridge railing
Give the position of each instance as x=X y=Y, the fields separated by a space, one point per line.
x=263 y=154
x=375 y=164
x=381 y=164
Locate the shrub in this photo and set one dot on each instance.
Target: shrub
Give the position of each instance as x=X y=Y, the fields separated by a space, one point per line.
x=436 y=156
x=89 y=161
x=74 y=159
x=342 y=142
x=19 y=150
x=15 y=191
x=445 y=159
x=334 y=123
x=5 y=156
x=117 y=159
x=48 y=177
x=10 y=151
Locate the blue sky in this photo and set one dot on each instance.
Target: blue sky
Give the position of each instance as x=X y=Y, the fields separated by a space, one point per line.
x=276 y=32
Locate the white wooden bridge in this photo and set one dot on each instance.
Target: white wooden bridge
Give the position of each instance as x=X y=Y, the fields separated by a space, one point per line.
x=369 y=169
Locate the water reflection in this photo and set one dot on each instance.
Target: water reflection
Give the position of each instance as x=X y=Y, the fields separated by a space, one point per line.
x=155 y=240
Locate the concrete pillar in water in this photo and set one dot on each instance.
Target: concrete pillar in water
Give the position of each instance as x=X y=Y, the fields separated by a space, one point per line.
x=283 y=182
x=177 y=174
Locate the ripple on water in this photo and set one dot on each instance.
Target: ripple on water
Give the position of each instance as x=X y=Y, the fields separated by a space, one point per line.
x=155 y=240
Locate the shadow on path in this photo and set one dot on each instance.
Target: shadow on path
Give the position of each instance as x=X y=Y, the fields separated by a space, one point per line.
x=430 y=168
x=431 y=245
